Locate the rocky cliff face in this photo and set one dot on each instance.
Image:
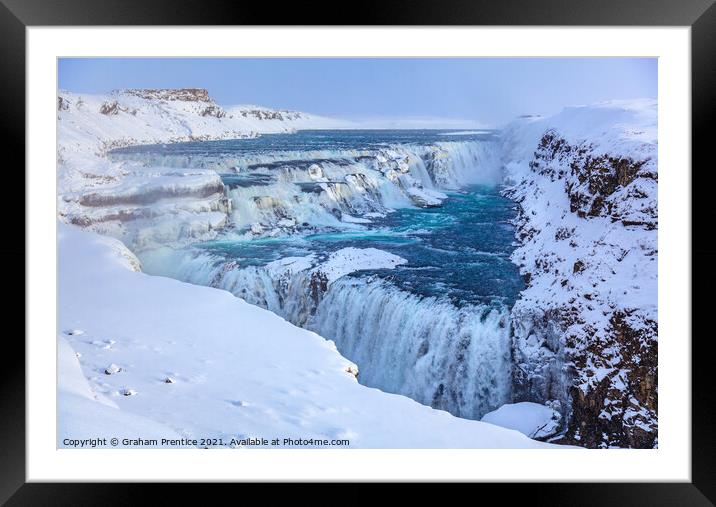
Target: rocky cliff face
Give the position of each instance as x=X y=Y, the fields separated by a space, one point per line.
x=586 y=328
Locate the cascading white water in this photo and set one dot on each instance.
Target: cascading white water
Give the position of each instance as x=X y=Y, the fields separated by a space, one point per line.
x=454 y=359
x=452 y=164
x=285 y=190
x=289 y=194
x=320 y=194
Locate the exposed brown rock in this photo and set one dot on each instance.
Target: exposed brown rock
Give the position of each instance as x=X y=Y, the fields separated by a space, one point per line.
x=214 y=111
x=619 y=409
x=318 y=286
x=112 y=108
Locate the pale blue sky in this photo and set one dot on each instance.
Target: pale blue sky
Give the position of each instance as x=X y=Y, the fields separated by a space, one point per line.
x=488 y=90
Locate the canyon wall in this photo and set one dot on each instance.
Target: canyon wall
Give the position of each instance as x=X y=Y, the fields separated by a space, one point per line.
x=585 y=330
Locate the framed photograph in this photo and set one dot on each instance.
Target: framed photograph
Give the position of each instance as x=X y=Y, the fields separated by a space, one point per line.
x=450 y=243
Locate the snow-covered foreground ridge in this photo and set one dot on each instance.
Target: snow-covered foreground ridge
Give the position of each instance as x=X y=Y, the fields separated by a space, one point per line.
x=585 y=329
x=209 y=365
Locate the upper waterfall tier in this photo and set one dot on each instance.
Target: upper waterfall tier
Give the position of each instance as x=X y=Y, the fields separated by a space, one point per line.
x=314 y=181
x=168 y=194
x=160 y=205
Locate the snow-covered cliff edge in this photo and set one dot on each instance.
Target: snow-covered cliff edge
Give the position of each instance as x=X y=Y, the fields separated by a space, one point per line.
x=585 y=329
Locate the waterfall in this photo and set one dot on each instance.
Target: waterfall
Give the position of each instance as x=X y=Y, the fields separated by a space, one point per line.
x=453 y=358
x=276 y=194
x=317 y=194
x=289 y=189
x=456 y=359
x=460 y=160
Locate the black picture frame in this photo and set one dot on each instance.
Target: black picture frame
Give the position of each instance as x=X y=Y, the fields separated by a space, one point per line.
x=700 y=15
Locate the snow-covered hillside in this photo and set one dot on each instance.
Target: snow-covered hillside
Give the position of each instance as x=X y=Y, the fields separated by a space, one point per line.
x=98 y=123
x=209 y=365
x=163 y=204
x=585 y=329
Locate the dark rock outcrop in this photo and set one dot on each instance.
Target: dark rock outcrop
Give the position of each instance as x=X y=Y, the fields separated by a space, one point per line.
x=169 y=94
x=619 y=408
x=112 y=108
x=598 y=184
x=214 y=111
x=318 y=287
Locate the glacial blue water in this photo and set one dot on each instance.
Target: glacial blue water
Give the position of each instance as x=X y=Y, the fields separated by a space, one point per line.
x=436 y=328
x=459 y=251
x=305 y=141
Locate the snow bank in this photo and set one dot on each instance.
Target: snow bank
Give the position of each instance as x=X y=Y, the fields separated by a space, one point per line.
x=338 y=264
x=266 y=120
x=350 y=260
x=615 y=126
x=239 y=371
x=287 y=266
x=96 y=123
x=530 y=419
